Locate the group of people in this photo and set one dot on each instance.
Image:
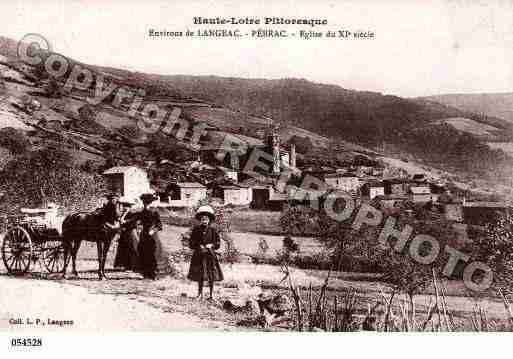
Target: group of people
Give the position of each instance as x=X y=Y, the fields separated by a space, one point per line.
x=140 y=248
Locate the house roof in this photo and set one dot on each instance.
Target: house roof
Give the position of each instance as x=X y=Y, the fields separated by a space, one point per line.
x=419 y=176
x=374 y=184
x=121 y=170
x=233 y=186
x=254 y=182
x=483 y=204
x=189 y=185
x=398 y=181
x=395 y=197
x=225 y=183
x=340 y=175
x=226 y=169
x=420 y=190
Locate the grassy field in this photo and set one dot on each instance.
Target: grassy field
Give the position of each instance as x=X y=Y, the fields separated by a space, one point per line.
x=470 y=126
x=242 y=220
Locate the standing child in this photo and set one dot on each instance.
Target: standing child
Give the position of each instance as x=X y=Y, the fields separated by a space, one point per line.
x=204 y=241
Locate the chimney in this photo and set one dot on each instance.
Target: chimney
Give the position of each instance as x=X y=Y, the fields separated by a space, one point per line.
x=293 y=155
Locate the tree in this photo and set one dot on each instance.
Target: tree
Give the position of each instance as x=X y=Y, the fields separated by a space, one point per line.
x=297 y=220
x=164 y=147
x=87 y=112
x=53 y=89
x=495 y=248
x=130 y=131
x=2 y=85
x=47 y=175
x=345 y=245
x=398 y=268
x=90 y=166
x=303 y=144
x=14 y=140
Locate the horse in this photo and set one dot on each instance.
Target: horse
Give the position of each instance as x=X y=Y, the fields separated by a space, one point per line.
x=88 y=227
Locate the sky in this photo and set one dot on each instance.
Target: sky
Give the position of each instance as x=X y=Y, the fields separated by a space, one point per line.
x=420 y=47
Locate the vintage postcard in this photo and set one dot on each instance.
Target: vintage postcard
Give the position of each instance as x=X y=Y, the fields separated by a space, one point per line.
x=255 y=166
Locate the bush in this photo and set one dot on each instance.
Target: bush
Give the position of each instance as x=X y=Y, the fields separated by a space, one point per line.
x=290 y=245
x=14 y=140
x=298 y=220
x=319 y=261
x=230 y=253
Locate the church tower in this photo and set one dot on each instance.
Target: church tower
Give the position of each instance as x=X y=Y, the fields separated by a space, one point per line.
x=273 y=147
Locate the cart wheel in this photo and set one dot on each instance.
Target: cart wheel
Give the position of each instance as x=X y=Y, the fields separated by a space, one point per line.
x=53 y=256
x=17 y=250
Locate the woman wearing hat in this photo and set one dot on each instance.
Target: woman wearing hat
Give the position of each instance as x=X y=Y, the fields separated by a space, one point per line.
x=153 y=259
x=204 y=241
x=127 y=256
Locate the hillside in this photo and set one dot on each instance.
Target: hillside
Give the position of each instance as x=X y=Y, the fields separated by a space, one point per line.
x=358 y=116
x=339 y=122
x=498 y=105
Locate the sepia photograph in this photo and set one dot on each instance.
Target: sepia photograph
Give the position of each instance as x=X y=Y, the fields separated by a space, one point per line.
x=286 y=167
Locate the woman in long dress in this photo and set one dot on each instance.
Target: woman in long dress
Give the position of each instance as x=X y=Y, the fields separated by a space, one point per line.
x=204 y=240
x=153 y=259
x=127 y=256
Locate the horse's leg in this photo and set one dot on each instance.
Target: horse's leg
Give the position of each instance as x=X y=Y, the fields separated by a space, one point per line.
x=99 y=247
x=67 y=252
x=74 y=251
x=106 y=247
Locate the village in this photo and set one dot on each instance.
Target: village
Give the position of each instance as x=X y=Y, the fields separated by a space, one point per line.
x=226 y=183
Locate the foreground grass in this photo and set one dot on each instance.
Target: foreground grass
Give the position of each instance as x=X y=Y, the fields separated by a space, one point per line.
x=247 y=279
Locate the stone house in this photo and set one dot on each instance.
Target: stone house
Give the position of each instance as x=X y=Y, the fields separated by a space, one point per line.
x=420 y=193
x=128 y=181
x=186 y=194
x=235 y=194
x=346 y=182
x=373 y=189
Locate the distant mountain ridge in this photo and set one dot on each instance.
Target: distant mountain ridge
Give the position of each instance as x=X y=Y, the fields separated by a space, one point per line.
x=414 y=128
x=359 y=116
x=498 y=105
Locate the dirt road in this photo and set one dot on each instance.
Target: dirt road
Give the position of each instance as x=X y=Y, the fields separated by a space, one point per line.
x=29 y=304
